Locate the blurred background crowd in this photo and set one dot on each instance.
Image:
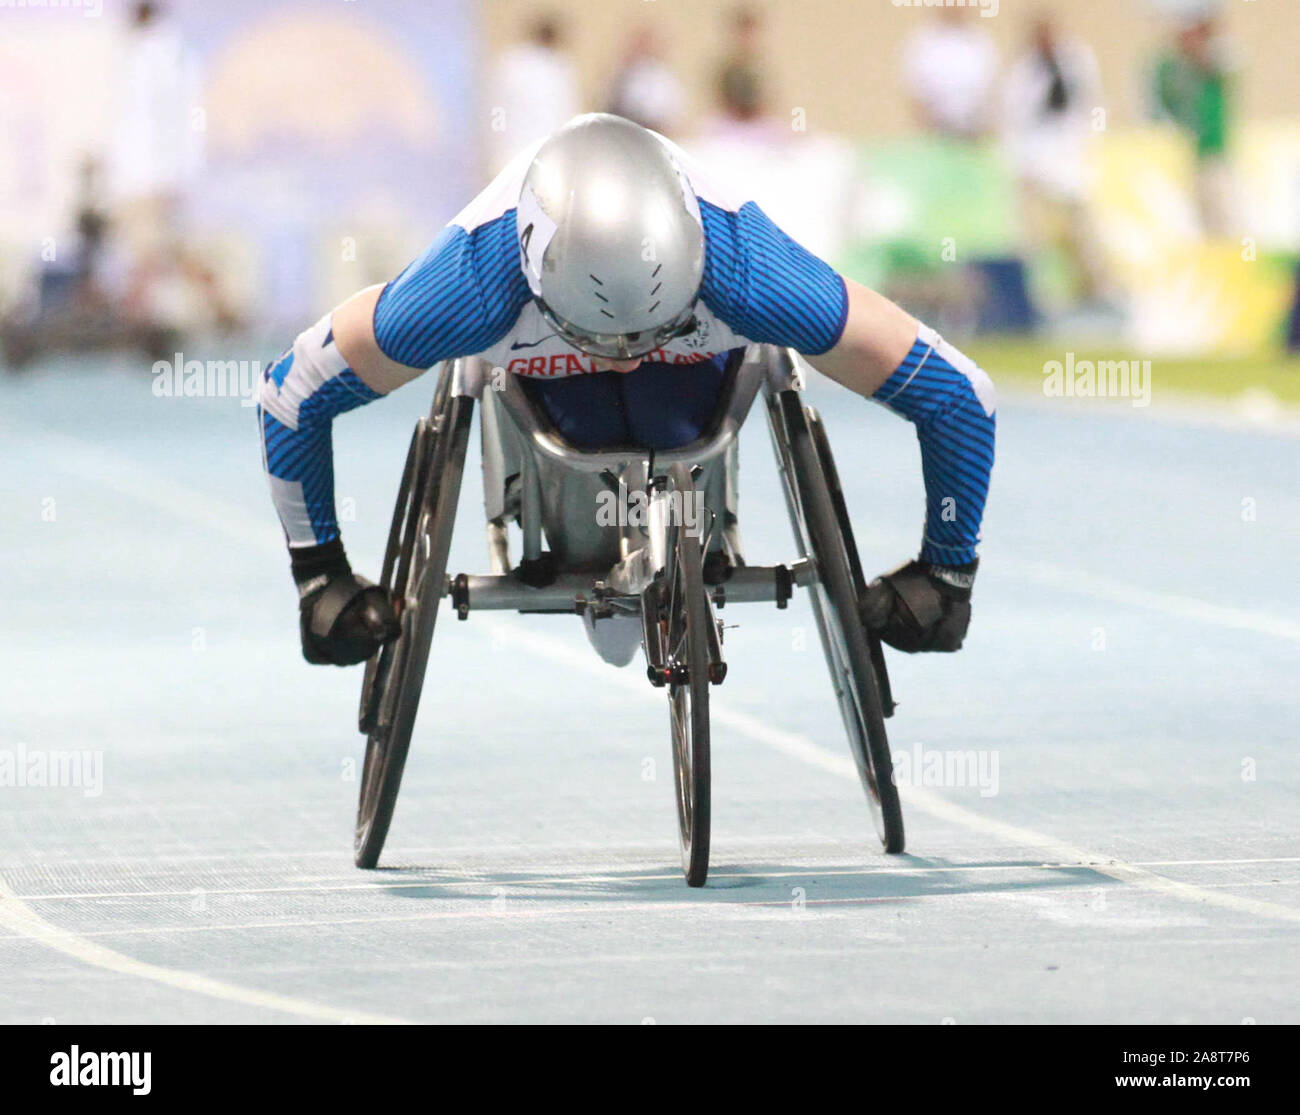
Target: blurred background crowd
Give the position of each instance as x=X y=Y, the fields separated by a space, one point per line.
x=1120 y=171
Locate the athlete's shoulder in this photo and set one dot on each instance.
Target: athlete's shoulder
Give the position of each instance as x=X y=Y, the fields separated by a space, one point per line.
x=710 y=186
x=498 y=199
x=762 y=283
x=465 y=292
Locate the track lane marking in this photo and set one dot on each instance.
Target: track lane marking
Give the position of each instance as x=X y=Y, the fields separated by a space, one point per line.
x=710 y=903
x=574 y=851
x=1168 y=603
x=16 y=915
x=1099 y=587
x=797 y=746
x=707 y=904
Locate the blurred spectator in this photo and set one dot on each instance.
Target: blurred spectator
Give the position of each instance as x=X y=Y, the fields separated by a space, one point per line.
x=948 y=69
x=1191 y=89
x=141 y=287
x=740 y=118
x=158 y=156
x=1048 y=99
x=740 y=77
x=157 y=150
x=645 y=89
x=92 y=225
x=534 y=91
x=803 y=179
x=72 y=304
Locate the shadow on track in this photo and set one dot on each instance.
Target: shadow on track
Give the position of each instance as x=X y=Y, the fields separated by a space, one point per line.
x=904 y=878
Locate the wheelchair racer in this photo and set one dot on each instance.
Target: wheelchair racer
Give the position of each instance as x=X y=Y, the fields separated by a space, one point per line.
x=603 y=268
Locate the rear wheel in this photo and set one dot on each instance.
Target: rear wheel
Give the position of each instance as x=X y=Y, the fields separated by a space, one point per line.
x=414 y=575
x=834 y=588
x=832 y=475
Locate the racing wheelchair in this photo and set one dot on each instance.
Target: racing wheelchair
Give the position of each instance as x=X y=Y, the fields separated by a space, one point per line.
x=652 y=575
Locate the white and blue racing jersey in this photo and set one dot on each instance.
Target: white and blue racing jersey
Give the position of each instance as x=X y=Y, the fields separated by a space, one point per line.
x=468 y=295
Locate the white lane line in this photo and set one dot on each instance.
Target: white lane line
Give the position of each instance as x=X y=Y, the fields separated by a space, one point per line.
x=800 y=747
x=1213 y=862
x=16 y=915
x=1098 y=587
x=459 y=851
x=868 y=944
x=730 y=846
x=590 y=875
x=505 y=909
x=606 y=874
x=1169 y=603
x=521 y=908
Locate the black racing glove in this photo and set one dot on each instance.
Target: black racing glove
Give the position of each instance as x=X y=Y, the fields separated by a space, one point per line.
x=921 y=607
x=343 y=618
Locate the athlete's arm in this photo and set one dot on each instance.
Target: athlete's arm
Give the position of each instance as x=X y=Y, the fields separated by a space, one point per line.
x=354 y=333
x=769 y=288
x=886 y=355
x=342 y=619
x=456 y=299
x=335 y=366
x=877 y=335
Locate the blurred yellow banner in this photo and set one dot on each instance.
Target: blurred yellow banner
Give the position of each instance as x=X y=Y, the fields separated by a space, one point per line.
x=1191 y=294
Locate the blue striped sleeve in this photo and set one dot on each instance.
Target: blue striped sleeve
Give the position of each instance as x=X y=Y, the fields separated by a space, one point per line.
x=766 y=286
x=300 y=461
x=459 y=298
x=951 y=402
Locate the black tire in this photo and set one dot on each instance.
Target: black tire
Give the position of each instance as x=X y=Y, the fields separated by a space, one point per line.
x=832 y=475
x=834 y=593
x=414 y=573
x=401 y=536
x=685 y=615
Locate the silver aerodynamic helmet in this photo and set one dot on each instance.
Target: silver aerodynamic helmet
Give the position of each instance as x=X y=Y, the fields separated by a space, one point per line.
x=611 y=238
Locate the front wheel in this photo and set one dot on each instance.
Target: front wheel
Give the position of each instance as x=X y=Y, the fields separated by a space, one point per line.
x=684 y=618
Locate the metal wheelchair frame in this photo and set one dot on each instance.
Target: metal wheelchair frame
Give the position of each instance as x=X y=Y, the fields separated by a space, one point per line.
x=652 y=569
